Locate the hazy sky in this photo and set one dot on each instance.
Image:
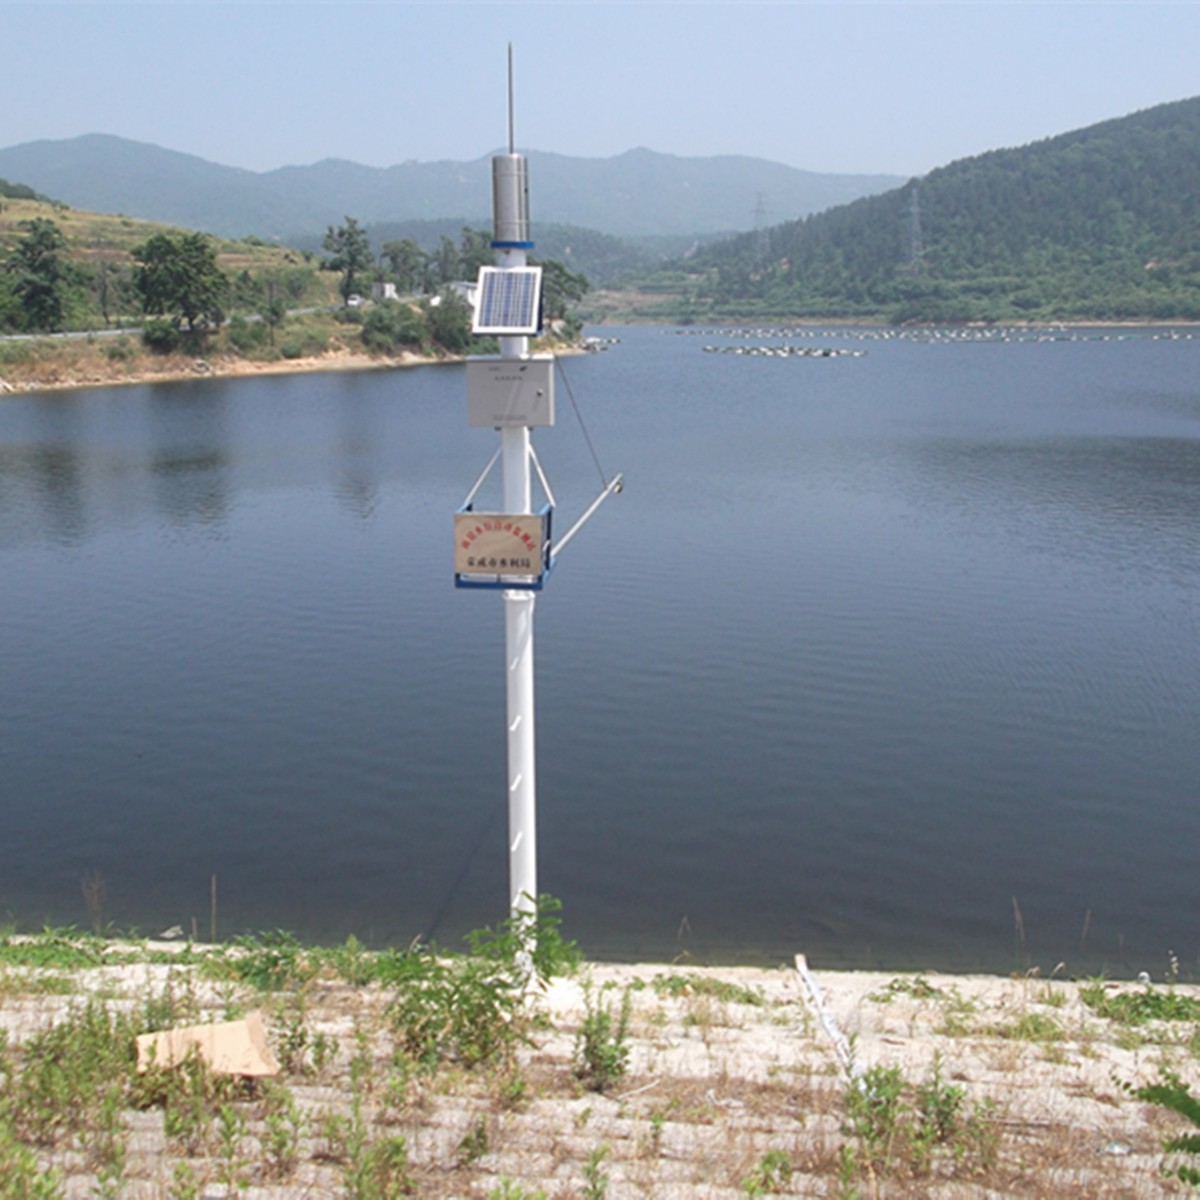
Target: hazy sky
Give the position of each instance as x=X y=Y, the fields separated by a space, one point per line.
x=881 y=86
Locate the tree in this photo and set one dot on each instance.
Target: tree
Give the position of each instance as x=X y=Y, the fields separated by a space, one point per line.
x=178 y=277
x=40 y=275
x=447 y=261
x=391 y=327
x=559 y=288
x=475 y=251
x=409 y=264
x=449 y=321
x=350 y=252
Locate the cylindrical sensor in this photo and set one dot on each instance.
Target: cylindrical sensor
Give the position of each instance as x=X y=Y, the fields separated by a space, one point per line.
x=510 y=198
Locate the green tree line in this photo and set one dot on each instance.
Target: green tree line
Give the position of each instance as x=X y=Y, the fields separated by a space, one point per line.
x=1102 y=223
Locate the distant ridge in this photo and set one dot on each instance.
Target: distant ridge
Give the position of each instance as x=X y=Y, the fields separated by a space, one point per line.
x=636 y=194
x=1099 y=223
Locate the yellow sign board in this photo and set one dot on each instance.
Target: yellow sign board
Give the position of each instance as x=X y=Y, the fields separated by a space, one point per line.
x=499 y=544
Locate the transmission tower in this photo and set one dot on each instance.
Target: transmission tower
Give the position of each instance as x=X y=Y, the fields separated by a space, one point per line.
x=762 y=240
x=914 y=250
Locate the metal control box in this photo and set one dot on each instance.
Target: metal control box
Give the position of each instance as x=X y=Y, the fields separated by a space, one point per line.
x=505 y=393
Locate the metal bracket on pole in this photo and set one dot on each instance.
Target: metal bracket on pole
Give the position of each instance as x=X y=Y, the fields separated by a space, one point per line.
x=615 y=485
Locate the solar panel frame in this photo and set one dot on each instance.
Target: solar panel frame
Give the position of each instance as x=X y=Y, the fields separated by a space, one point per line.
x=508 y=301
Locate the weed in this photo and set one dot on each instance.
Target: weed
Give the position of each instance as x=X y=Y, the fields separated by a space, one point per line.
x=510 y=1089
x=267 y=962
x=184 y=1184
x=295 y=1042
x=108 y=1144
x=700 y=985
x=957 y=1011
x=657 y=1123
x=460 y=1009
x=848 y=1170
x=1171 y=1093
x=65 y=949
x=772 y=1174
x=68 y=1072
x=602 y=1045
x=1136 y=1008
x=379 y=1171
x=1032 y=1027
x=915 y=987
x=506 y=1189
x=534 y=933
x=231 y=1129
x=474 y=1144
x=893 y=1138
x=471 y=1009
x=20 y=1176
x=595 y=1181
x=873 y=1108
x=285 y=1128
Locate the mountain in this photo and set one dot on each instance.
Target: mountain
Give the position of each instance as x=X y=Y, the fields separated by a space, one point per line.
x=1102 y=222
x=639 y=193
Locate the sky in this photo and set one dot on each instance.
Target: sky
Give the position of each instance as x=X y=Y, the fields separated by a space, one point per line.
x=881 y=86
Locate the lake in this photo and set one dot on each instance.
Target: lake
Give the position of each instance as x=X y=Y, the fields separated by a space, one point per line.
x=888 y=653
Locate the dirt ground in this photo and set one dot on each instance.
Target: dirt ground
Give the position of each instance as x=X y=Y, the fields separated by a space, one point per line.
x=738 y=1082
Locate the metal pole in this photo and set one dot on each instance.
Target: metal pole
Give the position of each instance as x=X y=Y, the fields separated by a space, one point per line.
x=519 y=606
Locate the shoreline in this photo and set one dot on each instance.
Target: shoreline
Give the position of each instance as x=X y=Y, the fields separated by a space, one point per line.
x=725 y=1071
x=182 y=368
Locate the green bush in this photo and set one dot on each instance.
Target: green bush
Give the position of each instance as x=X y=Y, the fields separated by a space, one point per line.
x=246 y=336
x=161 y=336
x=391 y=327
x=602 y=1046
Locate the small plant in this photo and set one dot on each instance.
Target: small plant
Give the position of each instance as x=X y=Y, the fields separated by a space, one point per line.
x=602 y=1046
x=595 y=1181
x=1137 y=1008
x=268 y=962
x=231 y=1129
x=535 y=933
x=657 y=1123
x=772 y=1174
x=20 y=1175
x=506 y=1189
x=938 y=1115
x=702 y=985
x=1032 y=1027
x=957 y=1013
x=108 y=1144
x=184 y=1184
x=916 y=987
x=285 y=1127
x=474 y=1144
x=379 y=1171
x=1173 y=1094
x=873 y=1108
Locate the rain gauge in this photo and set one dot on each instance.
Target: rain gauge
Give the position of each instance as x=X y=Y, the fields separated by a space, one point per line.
x=512 y=549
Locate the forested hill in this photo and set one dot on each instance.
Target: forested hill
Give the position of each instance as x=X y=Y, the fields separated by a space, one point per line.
x=1100 y=223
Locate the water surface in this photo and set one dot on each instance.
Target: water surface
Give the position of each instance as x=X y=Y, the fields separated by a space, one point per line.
x=872 y=653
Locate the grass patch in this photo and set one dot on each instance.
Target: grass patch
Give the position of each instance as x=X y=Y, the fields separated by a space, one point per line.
x=914 y=987
x=1138 y=1008
x=679 y=986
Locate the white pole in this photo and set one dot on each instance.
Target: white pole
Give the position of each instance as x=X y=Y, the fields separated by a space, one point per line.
x=519 y=606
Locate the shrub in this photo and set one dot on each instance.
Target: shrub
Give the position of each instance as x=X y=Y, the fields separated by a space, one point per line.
x=602 y=1046
x=161 y=336
x=391 y=327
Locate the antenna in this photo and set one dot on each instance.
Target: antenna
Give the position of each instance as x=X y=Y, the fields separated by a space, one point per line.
x=512 y=145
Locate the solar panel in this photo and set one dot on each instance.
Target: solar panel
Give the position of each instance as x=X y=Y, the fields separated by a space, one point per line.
x=508 y=301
